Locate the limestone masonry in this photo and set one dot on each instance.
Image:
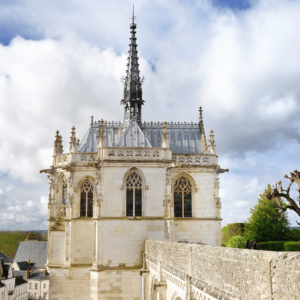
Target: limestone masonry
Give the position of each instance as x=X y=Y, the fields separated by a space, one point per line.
x=125 y=183
x=185 y=271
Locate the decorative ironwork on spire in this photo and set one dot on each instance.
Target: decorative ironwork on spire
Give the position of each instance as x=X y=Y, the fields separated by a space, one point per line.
x=133 y=96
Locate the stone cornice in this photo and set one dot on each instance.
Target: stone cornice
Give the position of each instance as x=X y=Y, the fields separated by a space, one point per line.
x=142 y=219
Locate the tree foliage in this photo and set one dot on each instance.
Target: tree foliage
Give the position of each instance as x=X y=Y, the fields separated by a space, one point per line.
x=266 y=222
x=236 y=242
x=282 y=197
x=232 y=229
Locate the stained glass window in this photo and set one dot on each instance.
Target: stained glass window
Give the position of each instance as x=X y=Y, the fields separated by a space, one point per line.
x=182 y=198
x=86 y=200
x=134 y=195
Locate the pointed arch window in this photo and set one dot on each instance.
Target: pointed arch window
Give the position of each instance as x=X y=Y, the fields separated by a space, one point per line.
x=64 y=191
x=182 y=198
x=86 y=199
x=134 y=185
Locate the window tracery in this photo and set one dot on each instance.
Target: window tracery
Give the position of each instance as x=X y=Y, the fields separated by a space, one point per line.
x=134 y=185
x=182 y=198
x=86 y=199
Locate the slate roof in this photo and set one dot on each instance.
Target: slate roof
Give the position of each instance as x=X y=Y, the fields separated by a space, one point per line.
x=20 y=280
x=35 y=251
x=185 y=138
x=37 y=275
x=133 y=137
x=5 y=258
x=23 y=265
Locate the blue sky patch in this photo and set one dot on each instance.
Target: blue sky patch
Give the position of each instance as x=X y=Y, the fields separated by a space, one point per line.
x=233 y=4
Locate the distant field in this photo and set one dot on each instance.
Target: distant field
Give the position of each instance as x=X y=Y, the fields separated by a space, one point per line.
x=9 y=240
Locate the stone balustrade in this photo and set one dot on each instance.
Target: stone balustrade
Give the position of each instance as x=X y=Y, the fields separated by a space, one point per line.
x=195 y=159
x=227 y=273
x=136 y=154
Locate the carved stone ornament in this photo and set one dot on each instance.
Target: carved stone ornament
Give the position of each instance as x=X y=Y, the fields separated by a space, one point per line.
x=168 y=201
x=60 y=220
x=71 y=179
x=97 y=201
x=218 y=202
x=70 y=201
x=98 y=179
x=168 y=177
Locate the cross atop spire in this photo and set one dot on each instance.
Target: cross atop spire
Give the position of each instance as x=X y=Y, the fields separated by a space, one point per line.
x=132 y=95
x=133 y=17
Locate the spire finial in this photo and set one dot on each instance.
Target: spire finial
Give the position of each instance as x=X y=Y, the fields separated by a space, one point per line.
x=92 y=120
x=73 y=142
x=133 y=17
x=200 y=111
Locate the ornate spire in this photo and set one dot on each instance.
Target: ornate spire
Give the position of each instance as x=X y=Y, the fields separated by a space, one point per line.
x=58 y=147
x=201 y=125
x=133 y=96
x=212 y=145
x=165 y=142
x=73 y=141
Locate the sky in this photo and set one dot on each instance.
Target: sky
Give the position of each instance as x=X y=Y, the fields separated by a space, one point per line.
x=61 y=62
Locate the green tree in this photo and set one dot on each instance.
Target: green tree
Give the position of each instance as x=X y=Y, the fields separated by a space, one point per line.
x=266 y=222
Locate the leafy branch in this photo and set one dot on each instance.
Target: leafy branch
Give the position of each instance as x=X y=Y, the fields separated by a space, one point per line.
x=282 y=196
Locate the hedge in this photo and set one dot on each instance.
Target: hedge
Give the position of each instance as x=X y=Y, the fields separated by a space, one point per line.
x=272 y=246
x=230 y=230
x=236 y=242
x=292 y=246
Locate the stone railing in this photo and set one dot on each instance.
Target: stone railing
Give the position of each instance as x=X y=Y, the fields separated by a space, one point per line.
x=203 y=159
x=150 y=125
x=128 y=154
x=65 y=159
x=62 y=159
x=227 y=273
x=115 y=154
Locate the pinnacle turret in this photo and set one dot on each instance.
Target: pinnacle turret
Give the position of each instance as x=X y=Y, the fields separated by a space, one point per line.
x=73 y=141
x=133 y=96
x=58 y=147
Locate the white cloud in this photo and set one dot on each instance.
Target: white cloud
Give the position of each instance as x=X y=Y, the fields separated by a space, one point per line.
x=242 y=203
x=242 y=67
x=9 y=188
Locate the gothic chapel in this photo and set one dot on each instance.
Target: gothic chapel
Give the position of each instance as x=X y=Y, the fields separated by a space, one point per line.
x=124 y=183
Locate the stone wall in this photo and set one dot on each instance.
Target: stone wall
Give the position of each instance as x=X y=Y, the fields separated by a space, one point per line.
x=227 y=273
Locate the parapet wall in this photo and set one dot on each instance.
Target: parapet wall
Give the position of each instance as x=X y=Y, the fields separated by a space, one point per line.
x=227 y=273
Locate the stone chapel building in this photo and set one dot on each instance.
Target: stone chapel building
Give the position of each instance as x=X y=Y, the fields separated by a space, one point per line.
x=124 y=183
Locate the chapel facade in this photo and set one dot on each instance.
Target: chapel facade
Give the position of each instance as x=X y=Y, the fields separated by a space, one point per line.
x=124 y=183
